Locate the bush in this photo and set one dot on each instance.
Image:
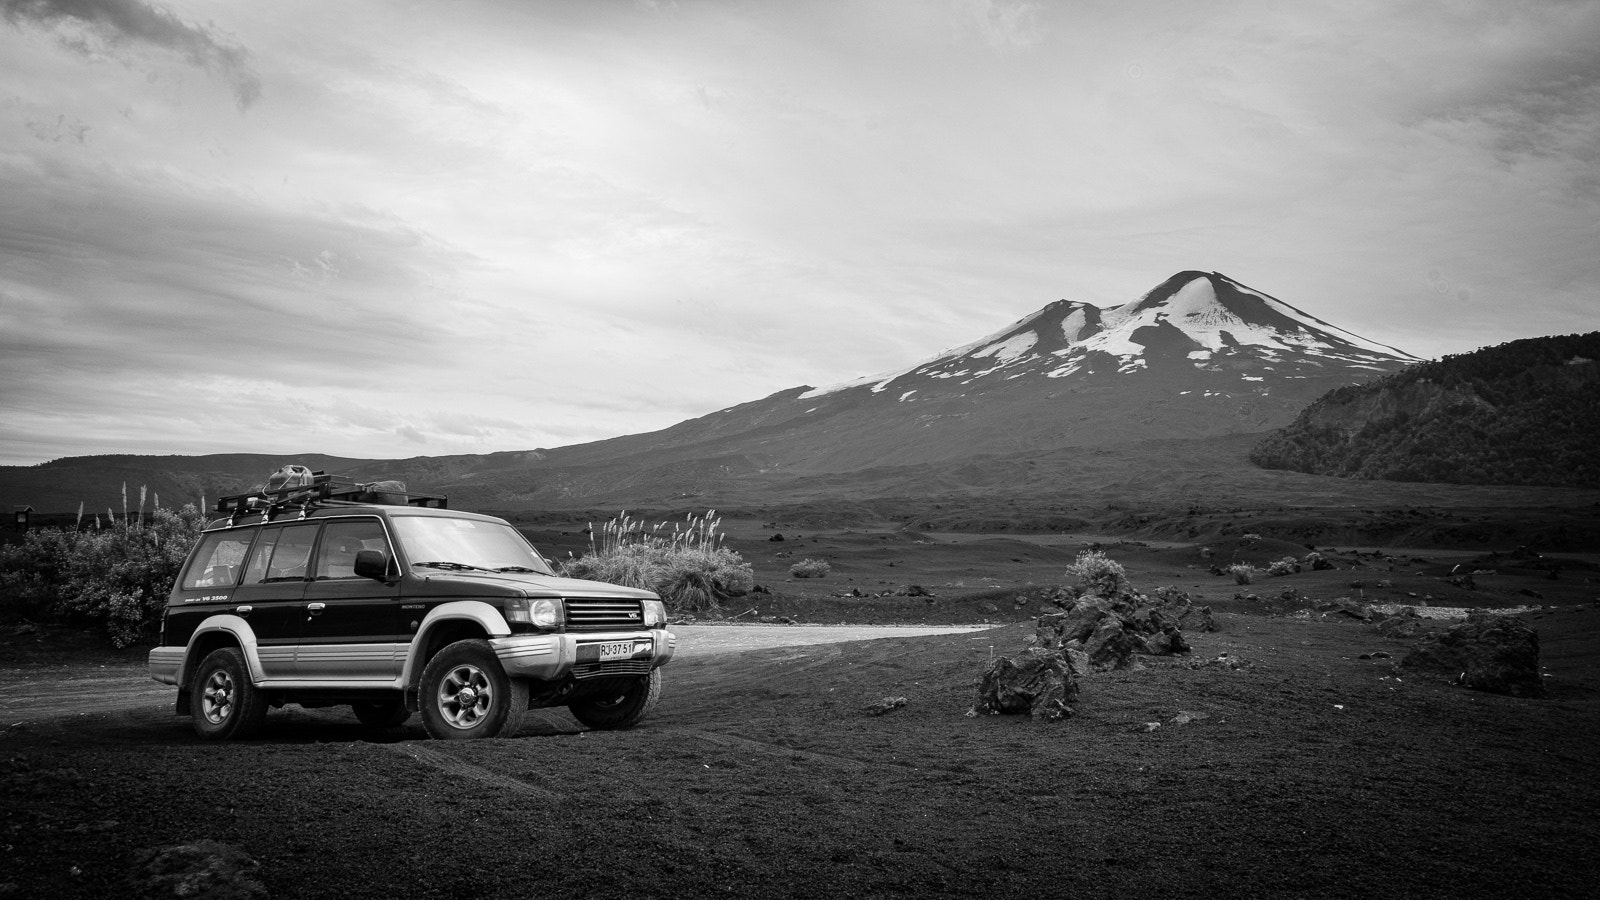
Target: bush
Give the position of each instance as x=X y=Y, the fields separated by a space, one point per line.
x=1286 y=566
x=686 y=566
x=1242 y=573
x=810 y=568
x=116 y=577
x=1098 y=573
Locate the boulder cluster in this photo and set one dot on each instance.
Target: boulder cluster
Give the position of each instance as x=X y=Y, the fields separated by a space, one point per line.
x=1487 y=652
x=1094 y=631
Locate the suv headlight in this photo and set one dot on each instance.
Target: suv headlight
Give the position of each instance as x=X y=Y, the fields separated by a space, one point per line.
x=655 y=614
x=538 y=613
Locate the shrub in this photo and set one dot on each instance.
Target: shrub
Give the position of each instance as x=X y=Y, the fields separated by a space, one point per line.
x=687 y=565
x=1242 y=573
x=1098 y=573
x=116 y=577
x=1286 y=566
x=810 y=568
x=1317 y=561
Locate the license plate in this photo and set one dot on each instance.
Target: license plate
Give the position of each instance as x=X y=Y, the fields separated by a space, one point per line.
x=616 y=650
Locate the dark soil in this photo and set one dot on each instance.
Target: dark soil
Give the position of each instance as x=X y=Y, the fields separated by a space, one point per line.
x=1309 y=771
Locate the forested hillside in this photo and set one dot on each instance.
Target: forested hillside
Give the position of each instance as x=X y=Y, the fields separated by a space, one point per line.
x=1524 y=412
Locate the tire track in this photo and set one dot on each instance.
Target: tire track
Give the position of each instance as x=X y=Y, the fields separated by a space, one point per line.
x=729 y=741
x=450 y=765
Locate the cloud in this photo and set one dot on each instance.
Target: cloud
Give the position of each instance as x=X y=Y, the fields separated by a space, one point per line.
x=90 y=26
x=1004 y=25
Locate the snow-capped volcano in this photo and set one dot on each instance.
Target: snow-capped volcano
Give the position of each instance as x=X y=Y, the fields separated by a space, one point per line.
x=1198 y=321
x=1030 y=409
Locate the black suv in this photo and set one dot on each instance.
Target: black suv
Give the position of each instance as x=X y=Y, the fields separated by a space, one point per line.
x=329 y=593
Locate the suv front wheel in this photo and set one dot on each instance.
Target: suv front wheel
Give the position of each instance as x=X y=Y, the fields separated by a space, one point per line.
x=466 y=694
x=222 y=701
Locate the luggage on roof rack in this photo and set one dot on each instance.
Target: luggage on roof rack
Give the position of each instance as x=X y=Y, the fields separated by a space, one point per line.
x=299 y=486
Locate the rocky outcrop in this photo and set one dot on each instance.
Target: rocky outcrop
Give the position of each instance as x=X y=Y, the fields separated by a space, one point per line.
x=1042 y=683
x=1113 y=631
x=1091 y=633
x=1487 y=652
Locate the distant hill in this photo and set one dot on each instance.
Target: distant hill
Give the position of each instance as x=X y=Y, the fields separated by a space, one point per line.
x=1521 y=413
x=1198 y=357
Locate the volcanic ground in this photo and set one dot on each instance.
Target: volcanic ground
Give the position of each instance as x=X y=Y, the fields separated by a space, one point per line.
x=1285 y=756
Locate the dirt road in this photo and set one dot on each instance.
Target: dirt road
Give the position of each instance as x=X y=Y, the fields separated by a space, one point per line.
x=35 y=695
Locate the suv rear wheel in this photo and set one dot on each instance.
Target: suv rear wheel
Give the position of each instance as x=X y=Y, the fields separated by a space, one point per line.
x=623 y=710
x=222 y=701
x=466 y=694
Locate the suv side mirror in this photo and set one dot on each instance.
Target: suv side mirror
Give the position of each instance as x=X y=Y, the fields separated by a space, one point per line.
x=372 y=564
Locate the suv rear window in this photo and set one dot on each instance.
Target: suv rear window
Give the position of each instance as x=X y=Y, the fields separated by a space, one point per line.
x=217 y=562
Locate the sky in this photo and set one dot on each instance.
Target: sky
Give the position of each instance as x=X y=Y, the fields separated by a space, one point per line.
x=395 y=229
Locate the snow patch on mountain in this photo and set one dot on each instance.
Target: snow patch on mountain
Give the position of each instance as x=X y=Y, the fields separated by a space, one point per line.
x=1208 y=320
x=1007 y=350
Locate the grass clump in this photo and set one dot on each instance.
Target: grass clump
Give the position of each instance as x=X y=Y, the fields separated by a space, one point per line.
x=810 y=568
x=1242 y=573
x=686 y=564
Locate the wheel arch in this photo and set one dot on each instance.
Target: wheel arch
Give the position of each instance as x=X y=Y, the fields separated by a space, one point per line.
x=221 y=631
x=458 y=620
x=215 y=633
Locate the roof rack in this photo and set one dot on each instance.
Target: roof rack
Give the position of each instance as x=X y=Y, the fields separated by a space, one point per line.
x=325 y=490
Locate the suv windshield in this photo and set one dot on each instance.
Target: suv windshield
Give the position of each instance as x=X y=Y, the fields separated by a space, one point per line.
x=447 y=543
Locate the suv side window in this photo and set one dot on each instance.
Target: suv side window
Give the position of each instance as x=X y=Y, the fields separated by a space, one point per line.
x=256 y=571
x=281 y=554
x=342 y=540
x=218 y=561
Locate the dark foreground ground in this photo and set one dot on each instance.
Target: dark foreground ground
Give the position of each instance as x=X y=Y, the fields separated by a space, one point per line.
x=1308 y=771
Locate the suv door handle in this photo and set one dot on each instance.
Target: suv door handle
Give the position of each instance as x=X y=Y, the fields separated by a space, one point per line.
x=314 y=608
x=244 y=610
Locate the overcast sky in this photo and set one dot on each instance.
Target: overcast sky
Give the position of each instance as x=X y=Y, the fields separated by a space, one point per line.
x=390 y=229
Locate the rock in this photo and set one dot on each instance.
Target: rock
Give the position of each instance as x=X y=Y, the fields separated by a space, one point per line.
x=1487 y=652
x=1345 y=606
x=1111 y=630
x=917 y=590
x=1222 y=661
x=1167 y=643
x=988 y=608
x=207 y=868
x=1402 y=626
x=886 y=705
x=1038 y=682
x=1074 y=625
x=776 y=538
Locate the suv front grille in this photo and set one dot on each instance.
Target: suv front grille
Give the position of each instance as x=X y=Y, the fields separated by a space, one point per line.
x=614 y=667
x=603 y=613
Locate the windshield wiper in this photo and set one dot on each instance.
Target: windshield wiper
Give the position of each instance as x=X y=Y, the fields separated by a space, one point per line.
x=520 y=569
x=454 y=566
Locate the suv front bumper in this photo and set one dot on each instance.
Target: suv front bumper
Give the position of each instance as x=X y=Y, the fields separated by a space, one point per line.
x=584 y=655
